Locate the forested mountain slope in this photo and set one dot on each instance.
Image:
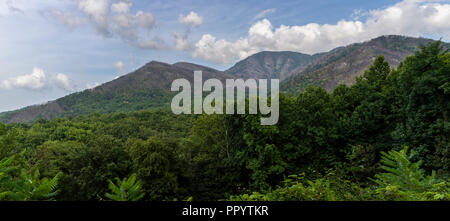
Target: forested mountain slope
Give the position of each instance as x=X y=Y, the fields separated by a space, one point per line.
x=384 y=138
x=147 y=87
x=269 y=64
x=342 y=65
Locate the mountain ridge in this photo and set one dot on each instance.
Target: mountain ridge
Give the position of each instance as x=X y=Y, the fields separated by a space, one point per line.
x=270 y=64
x=149 y=86
x=342 y=65
x=146 y=87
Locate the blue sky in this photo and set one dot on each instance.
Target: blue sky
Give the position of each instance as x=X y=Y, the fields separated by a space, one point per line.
x=50 y=48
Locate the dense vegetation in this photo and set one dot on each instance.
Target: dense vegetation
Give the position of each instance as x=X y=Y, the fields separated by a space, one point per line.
x=342 y=65
x=384 y=138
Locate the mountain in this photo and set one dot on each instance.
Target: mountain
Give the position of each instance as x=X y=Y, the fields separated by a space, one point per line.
x=266 y=65
x=343 y=64
x=147 y=87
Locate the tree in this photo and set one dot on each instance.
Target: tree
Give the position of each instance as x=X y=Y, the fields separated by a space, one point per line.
x=314 y=130
x=127 y=189
x=422 y=106
x=5 y=179
x=371 y=120
x=8 y=141
x=155 y=163
x=377 y=73
x=86 y=167
x=210 y=154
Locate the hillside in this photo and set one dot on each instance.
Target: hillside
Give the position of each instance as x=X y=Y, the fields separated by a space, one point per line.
x=147 y=87
x=377 y=140
x=271 y=64
x=343 y=64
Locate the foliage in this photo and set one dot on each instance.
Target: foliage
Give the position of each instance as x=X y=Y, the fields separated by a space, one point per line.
x=156 y=164
x=404 y=180
x=336 y=141
x=298 y=188
x=26 y=186
x=127 y=189
x=5 y=170
x=8 y=141
x=31 y=187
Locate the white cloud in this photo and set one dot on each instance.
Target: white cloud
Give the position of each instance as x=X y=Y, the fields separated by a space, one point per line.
x=35 y=81
x=146 y=19
x=120 y=67
x=181 y=42
x=67 y=18
x=97 y=11
x=121 y=7
x=116 y=20
x=38 y=80
x=409 y=17
x=221 y=51
x=63 y=81
x=192 y=19
x=262 y=14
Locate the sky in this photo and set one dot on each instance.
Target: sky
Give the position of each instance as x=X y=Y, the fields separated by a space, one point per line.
x=51 y=48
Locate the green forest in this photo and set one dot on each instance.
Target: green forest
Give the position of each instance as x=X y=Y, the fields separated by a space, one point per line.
x=386 y=137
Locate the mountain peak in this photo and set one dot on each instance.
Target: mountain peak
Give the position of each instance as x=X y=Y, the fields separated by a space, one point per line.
x=270 y=64
x=194 y=67
x=149 y=86
x=156 y=63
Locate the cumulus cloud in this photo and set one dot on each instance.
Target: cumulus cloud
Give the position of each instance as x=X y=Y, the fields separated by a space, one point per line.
x=63 y=81
x=97 y=11
x=118 y=21
x=120 y=67
x=192 y=19
x=262 y=14
x=145 y=19
x=181 y=42
x=38 y=80
x=35 y=81
x=222 y=51
x=409 y=17
x=121 y=7
x=112 y=19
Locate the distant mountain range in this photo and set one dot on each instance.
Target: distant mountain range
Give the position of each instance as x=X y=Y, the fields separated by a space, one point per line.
x=149 y=86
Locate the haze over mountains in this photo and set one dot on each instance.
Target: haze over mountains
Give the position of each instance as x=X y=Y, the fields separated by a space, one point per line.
x=149 y=86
